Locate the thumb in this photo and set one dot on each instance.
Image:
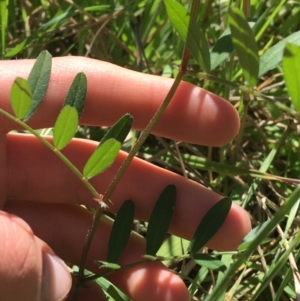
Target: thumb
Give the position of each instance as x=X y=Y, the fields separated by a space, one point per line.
x=29 y=270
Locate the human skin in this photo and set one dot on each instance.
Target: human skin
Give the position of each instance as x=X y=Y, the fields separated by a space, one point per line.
x=39 y=195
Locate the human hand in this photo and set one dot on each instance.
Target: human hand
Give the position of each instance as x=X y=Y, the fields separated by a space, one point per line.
x=39 y=195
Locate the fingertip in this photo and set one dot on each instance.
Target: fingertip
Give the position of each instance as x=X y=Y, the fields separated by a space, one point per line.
x=56 y=280
x=154 y=282
x=200 y=117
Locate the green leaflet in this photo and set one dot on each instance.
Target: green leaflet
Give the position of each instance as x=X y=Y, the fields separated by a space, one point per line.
x=120 y=232
x=120 y=129
x=38 y=81
x=160 y=220
x=102 y=158
x=189 y=32
x=291 y=72
x=77 y=93
x=210 y=224
x=65 y=127
x=20 y=97
x=244 y=42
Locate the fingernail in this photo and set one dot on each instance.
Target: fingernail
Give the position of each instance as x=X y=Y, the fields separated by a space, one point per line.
x=57 y=280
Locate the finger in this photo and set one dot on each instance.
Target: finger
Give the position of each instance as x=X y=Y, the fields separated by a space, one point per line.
x=29 y=270
x=36 y=174
x=194 y=115
x=64 y=227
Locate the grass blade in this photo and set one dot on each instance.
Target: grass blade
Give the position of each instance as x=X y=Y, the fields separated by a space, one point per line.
x=210 y=224
x=272 y=57
x=77 y=93
x=120 y=232
x=3 y=25
x=65 y=127
x=189 y=32
x=291 y=72
x=160 y=220
x=102 y=158
x=38 y=80
x=21 y=97
x=244 y=42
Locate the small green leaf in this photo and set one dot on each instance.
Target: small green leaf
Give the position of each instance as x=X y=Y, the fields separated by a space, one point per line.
x=65 y=127
x=21 y=97
x=120 y=129
x=77 y=93
x=160 y=219
x=120 y=232
x=38 y=80
x=102 y=158
x=210 y=224
x=109 y=265
x=244 y=42
x=273 y=56
x=189 y=32
x=208 y=261
x=291 y=72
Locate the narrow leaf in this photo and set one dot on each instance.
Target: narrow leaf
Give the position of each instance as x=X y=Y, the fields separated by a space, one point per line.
x=65 y=127
x=244 y=42
x=160 y=219
x=38 y=80
x=272 y=57
x=189 y=32
x=102 y=158
x=291 y=73
x=77 y=93
x=120 y=232
x=120 y=129
x=208 y=261
x=210 y=224
x=21 y=97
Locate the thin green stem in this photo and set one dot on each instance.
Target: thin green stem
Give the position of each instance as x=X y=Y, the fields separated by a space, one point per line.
x=53 y=149
x=123 y=168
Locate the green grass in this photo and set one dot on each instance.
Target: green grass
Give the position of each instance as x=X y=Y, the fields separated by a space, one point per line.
x=259 y=169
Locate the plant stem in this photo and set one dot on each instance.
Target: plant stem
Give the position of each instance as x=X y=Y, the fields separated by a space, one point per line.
x=123 y=168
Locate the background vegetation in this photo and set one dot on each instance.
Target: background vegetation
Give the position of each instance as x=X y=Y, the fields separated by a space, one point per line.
x=259 y=170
